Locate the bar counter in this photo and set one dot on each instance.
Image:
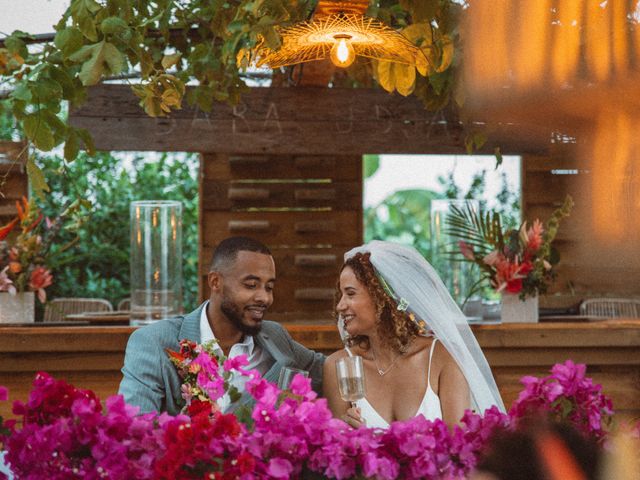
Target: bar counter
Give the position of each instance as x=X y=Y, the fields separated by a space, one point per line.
x=91 y=356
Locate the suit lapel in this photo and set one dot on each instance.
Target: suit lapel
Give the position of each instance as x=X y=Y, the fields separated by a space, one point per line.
x=264 y=340
x=190 y=328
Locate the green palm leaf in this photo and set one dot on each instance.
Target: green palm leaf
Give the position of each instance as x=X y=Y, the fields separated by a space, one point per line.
x=482 y=231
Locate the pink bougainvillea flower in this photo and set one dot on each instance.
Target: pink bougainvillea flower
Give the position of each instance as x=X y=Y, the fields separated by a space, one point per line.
x=213 y=385
x=279 y=468
x=4 y=394
x=208 y=363
x=41 y=278
x=235 y=363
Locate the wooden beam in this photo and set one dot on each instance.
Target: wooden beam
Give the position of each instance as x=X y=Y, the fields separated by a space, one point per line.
x=289 y=121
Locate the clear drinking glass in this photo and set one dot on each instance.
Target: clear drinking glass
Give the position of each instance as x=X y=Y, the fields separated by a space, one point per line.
x=350 y=374
x=156 y=260
x=286 y=376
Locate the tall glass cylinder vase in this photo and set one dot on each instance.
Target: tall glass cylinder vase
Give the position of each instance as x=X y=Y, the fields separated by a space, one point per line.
x=459 y=277
x=156 y=260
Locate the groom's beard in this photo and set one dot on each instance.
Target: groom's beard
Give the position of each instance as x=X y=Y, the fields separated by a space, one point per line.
x=235 y=316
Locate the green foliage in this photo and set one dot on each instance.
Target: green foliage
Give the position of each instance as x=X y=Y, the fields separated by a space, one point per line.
x=404 y=217
x=482 y=231
x=98 y=265
x=205 y=42
x=370 y=165
x=551 y=229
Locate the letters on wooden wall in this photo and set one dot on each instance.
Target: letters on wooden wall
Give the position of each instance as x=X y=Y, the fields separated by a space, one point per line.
x=279 y=136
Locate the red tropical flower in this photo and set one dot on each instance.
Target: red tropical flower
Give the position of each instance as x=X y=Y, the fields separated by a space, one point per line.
x=6 y=230
x=534 y=236
x=41 y=278
x=466 y=250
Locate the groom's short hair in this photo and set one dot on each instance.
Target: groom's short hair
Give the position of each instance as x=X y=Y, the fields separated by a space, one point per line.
x=227 y=251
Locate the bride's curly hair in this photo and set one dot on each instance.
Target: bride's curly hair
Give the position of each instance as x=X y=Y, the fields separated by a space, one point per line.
x=395 y=328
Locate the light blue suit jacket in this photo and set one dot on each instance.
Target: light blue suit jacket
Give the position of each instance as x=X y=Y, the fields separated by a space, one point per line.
x=151 y=382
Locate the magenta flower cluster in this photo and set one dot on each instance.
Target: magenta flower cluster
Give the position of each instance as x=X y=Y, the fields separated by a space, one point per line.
x=566 y=394
x=65 y=433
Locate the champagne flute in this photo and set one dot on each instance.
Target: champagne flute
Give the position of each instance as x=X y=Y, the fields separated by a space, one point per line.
x=286 y=376
x=350 y=374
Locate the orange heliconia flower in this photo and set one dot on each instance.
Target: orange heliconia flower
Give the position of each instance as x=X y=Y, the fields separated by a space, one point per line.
x=24 y=211
x=6 y=230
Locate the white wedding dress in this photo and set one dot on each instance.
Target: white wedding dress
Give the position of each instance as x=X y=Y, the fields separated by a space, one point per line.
x=417 y=289
x=429 y=407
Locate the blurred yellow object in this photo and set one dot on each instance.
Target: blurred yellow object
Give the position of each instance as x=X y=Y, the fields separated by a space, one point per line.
x=622 y=461
x=572 y=67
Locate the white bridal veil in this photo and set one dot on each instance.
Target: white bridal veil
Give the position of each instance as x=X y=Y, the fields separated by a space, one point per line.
x=416 y=283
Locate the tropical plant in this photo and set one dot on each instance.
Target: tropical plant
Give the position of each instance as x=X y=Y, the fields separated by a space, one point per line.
x=518 y=261
x=26 y=248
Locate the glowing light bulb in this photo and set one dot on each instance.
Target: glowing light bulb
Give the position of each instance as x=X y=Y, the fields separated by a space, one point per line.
x=342 y=52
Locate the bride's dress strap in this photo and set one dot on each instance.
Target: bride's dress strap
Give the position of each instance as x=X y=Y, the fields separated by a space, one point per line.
x=433 y=344
x=349 y=352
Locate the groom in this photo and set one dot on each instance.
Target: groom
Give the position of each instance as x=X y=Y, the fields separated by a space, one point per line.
x=241 y=279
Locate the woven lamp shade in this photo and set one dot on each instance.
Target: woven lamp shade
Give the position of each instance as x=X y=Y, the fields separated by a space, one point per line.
x=314 y=40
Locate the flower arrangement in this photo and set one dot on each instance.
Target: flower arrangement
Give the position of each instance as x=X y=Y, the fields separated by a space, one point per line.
x=66 y=433
x=566 y=394
x=23 y=262
x=514 y=261
x=204 y=382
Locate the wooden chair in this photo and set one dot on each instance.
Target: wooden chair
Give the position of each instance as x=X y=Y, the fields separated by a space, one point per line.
x=124 y=304
x=56 y=310
x=611 y=307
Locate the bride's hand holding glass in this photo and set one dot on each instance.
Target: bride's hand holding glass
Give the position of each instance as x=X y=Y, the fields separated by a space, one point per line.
x=350 y=374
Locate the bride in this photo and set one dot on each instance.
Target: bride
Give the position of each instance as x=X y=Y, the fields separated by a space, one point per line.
x=419 y=354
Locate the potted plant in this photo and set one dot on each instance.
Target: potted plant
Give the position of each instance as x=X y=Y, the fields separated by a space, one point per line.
x=25 y=243
x=519 y=263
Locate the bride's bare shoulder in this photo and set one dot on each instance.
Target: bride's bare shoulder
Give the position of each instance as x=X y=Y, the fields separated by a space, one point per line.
x=443 y=357
x=335 y=356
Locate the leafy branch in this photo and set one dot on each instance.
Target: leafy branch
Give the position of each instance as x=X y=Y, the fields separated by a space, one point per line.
x=204 y=42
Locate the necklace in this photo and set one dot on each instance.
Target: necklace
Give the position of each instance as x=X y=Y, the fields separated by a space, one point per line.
x=384 y=371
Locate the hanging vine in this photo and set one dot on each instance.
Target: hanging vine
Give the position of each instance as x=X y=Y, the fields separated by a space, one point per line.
x=168 y=43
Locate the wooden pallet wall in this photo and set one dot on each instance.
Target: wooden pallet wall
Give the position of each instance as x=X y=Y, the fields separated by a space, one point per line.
x=597 y=258
x=14 y=183
x=307 y=209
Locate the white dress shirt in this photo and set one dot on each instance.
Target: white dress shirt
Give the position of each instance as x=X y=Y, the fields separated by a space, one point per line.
x=258 y=358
